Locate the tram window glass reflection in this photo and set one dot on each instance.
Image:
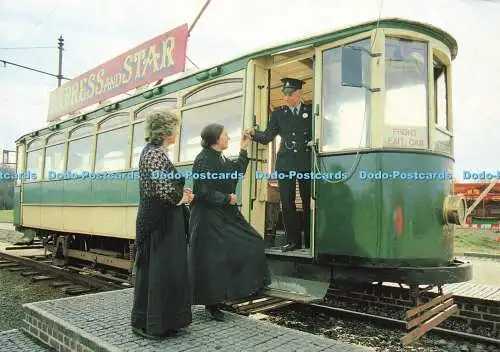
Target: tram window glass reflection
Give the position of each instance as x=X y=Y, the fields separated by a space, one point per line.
x=215 y=91
x=56 y=138
x=34 y=163
x=81 y=131
x=111 y=151
x=138 y=143
x=346 y=111
x=54 y=160
x=79 y=155
x=19 y=162
x=441 y=96
x=406 y=102
x=114 y=121
x=160 y=105
x=227 y=113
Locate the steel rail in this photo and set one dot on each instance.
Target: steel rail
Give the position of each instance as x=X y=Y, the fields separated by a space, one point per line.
x=59 y=272
x=400 y=323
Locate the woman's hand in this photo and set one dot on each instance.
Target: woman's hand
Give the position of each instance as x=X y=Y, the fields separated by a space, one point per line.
x=233 y=199
x=245 y=139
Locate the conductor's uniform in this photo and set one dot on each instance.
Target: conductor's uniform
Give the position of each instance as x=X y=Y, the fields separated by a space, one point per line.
x=294 y=126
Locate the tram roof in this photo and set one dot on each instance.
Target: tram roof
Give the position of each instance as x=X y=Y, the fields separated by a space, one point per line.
x=317 y=38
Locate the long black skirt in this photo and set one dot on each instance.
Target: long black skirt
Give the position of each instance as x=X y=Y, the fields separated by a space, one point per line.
x=162 y=293
x=226 y=256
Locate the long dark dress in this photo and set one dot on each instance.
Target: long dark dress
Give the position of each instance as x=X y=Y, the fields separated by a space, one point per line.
x=162 y=293
x=226 y=255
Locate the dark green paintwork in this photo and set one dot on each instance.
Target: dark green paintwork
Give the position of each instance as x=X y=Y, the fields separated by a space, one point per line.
x=356 y=218
x=91 y=192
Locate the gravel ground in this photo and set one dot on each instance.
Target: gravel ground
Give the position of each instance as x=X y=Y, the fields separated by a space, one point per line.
x=15 y=290
x=365 y=334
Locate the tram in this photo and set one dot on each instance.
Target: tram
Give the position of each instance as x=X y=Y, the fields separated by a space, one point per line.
x=383 y=129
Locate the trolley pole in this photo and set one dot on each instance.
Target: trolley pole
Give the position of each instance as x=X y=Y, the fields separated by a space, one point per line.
x=60 y=45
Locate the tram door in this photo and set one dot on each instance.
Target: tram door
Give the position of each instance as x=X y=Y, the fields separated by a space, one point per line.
x=265 y=74
x=255 y=196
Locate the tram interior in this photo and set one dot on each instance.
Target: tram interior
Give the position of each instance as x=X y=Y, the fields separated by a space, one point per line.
x=295 y=64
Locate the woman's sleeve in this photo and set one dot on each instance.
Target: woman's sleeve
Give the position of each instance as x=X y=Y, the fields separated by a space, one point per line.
x=204 y=190
x=169 y=190
x=241 y=163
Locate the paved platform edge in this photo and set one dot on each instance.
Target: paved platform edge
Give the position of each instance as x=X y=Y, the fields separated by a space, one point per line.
x=15 y=340
x=62 y=336
x=57 y=333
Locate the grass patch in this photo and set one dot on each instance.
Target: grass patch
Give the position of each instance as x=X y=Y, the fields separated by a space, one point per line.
x=477 y=240
x=6 y=216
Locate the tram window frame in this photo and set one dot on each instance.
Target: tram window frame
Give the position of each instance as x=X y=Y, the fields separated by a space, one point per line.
x=217 y=100
x=20 y=159
x=440 y=70
x=394 y=132
x=443 y=137
x=29 y=151
x=54 y=145
x=87 y=136
x=141 y=121
x=125 y=126
x=330 y=142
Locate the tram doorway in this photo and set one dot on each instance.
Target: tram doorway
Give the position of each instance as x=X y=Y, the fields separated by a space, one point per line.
x=264 y=211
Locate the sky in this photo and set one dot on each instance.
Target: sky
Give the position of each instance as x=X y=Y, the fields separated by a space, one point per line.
x=96 y=31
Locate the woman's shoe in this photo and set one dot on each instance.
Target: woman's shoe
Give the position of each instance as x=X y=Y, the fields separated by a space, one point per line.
x=215 y=312
x=141 y=332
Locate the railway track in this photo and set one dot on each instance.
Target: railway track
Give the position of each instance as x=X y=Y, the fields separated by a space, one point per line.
x=72 y=280
x=385 y=307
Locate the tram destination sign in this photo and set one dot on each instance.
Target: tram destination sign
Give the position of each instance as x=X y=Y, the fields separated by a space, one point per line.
x=155 y=59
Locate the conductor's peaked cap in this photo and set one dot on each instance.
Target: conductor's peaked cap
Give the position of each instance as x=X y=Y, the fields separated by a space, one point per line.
x=290 y=85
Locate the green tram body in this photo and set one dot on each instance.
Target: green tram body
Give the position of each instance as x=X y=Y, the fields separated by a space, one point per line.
x=388 y=229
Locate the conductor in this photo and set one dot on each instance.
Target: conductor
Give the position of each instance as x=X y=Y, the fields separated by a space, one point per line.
x=293 y=123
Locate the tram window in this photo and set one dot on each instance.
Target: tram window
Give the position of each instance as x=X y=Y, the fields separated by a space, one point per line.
x=35 y=144
x=34 y=163
x=441 y=96
x=443 y=142
x=79 y=155
x=406 y=103
x=227 y=113
x=346 y=110
x=54 y=160
x=114 y=121
x=137 y=143
x=82 y=131
x=160 y=105
x=19 y=162
x=56 y=138
x=218 y=90
x=111 y=152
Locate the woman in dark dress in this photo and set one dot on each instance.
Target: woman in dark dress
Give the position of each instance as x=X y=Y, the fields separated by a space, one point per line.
x=162 y=294
x=226 y=255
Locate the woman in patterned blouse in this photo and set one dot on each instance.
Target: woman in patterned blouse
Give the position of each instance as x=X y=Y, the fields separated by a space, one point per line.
x=162 y=294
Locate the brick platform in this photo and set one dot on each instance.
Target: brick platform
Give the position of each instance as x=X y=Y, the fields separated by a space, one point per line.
x=16 y=341
x=101 y=322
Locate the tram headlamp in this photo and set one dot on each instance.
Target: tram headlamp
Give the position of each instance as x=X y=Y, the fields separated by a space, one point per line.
x=454 y=208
